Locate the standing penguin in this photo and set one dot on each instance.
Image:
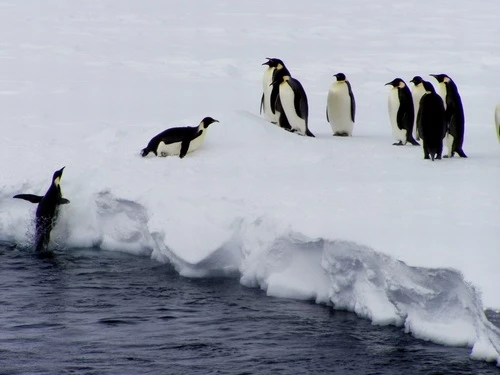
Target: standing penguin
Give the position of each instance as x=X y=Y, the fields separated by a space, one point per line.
x=291 y=103
x=47 y=210
x=431 y=122
x=417 y=92
x=455 y=118
x=178 y=141
x=497 y=121
x=341 y=107
x=401 y=112
x=268 y=100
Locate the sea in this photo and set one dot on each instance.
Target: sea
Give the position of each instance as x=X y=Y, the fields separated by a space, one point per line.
x=89 y=311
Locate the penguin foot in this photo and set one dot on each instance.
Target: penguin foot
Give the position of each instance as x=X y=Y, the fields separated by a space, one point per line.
x=400 y=143
x=340 y=134
x=426 y=156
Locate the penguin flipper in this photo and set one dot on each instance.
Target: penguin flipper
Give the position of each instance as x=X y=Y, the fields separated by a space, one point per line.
x=29 y=197
x=300 y=99
x=261 y=103
x=184 y=148
x=353 y=102
x=63 y=201
x=274 y=97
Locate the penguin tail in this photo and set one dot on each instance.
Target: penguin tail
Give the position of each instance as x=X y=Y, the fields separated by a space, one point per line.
x=309 y=134
x=461 y=153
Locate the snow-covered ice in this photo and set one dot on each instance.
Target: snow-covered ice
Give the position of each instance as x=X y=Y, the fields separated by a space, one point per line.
x=354 y=221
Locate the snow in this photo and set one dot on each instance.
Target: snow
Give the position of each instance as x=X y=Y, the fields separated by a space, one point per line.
x=353 y=222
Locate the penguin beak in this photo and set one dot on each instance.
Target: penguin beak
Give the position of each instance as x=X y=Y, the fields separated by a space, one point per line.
x=388 y=84
x=62 y=169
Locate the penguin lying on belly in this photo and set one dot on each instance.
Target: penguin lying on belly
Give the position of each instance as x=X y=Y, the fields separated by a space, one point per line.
x=178 y=141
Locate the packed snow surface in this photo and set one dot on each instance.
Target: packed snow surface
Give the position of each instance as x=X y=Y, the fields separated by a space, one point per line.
x=354 y=222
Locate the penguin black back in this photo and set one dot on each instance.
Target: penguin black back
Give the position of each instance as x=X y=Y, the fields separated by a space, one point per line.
x=431 y=122
x=455 y=117
x=47 y=210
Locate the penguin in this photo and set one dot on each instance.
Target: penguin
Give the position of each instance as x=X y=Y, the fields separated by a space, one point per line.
x=497 y=121
x=431 y=122
x=291 y=103
x=455 y=118
x=268 y=100
x=401 y=112
x=341 y=106
x=179 y=140
x=47 y=210
x=417 y=92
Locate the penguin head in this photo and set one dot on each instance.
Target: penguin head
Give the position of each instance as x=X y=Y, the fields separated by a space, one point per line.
x=56 y=178
x=207 y=121
x=441 y=78
x=417 y=80
x=429 y=88
x=279 y=76
x=396 y=83
x=340 y=77
x=274 y=63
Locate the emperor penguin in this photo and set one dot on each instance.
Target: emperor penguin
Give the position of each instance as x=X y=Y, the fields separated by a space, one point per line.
x=268 y=100
x=417 y=92
x=47 y=210
x=401 y=112
x=497 y=121
x=341 y=106
x=431 y=122
x=455 y=117
x=178 y=141
x=291 y=103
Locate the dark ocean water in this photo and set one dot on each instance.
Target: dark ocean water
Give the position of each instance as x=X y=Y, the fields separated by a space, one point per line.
x=97 y=312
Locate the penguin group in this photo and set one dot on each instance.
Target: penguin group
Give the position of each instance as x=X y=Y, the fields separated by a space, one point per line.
x=420 y=114
x=417 y=114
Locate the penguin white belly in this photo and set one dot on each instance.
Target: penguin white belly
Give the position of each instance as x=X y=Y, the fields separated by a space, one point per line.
x=397 y=133
x=267 y=88
x=449 y=143
x=174 y=149
x=417 y=94
x=497 y=121
x=287 y=97
x=339 y=109
x=442 y=93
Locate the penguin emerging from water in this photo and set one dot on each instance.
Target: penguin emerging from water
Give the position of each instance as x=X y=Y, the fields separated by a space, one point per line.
x=270 y=92
x=455 y=118
x=291 y=103
x=341 y=106
x=47 y=210
x=417 y=92
x=401 y=112
x=178 y=141
x=497 y=121
x=431 y=122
